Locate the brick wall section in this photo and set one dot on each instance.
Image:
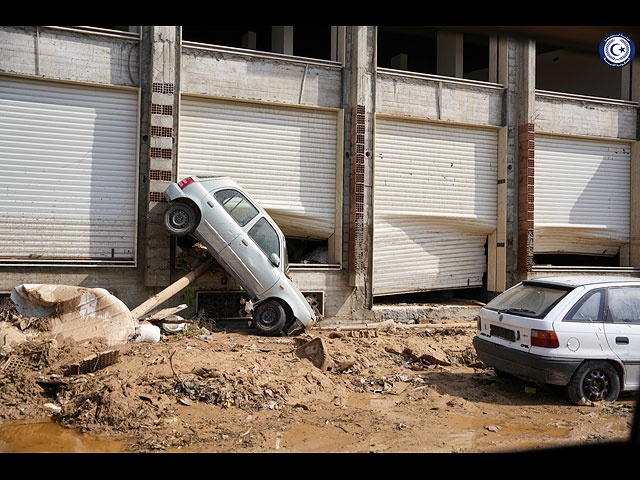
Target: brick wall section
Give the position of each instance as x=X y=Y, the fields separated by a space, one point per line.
x=356 y=217
x=525 y=197
x=157 y=272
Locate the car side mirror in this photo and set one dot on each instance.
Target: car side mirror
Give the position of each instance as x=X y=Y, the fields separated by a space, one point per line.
x=275 y=259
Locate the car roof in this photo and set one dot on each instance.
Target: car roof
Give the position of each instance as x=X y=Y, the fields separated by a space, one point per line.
x=583 y=280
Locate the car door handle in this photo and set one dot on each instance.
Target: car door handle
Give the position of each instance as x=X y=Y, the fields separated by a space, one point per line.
x=622 y=340
x=244 y=242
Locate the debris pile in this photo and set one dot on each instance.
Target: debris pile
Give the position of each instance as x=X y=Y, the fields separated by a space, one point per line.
x=141 y=388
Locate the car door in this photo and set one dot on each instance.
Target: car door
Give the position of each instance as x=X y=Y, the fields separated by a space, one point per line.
x=581 y=331
x=248 y=254
x=622 y=329
x=225 y=213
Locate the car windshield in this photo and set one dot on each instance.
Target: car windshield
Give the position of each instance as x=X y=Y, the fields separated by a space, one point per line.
x=529 y=299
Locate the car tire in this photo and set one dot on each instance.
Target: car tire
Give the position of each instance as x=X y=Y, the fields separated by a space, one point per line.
x=593 y=382
x=180 y=219
x=269 y=317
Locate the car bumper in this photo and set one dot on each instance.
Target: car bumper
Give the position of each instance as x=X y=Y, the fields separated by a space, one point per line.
x=525 y=365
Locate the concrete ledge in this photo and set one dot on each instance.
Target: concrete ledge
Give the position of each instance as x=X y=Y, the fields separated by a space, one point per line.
x=428 y=313
x=404 y=314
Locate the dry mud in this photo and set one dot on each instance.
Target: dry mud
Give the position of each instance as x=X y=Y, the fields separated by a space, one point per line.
x=395 y=389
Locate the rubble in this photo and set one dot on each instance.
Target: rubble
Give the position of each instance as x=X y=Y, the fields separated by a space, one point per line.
x=228 y=390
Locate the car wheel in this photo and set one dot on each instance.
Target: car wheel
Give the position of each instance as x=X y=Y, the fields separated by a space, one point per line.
x=269 y=317
x=594 y=382
x=180 y=219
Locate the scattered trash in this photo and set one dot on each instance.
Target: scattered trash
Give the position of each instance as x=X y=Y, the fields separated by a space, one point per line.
x=173 y=324
x=147 y=332
x=16 y=364
x=55 y=408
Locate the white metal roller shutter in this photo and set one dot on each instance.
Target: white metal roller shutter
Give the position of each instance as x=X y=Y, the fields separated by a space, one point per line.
x=284 y=157
x=581 y=195
x=435 y=202
x=68 y=170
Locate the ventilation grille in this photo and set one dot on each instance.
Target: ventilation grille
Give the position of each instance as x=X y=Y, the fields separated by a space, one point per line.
x=230 y=305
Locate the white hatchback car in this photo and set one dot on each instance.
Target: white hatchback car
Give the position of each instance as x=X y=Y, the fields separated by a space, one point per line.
x=246 y=242
x=579 y=332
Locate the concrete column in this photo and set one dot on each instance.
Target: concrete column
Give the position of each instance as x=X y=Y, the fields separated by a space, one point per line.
x=337 y=43
x=449 y=54
x=163 y=85
x=249 y=40
x=282 y=40
x=360 y=66
x=516 y=71
x=635 y=79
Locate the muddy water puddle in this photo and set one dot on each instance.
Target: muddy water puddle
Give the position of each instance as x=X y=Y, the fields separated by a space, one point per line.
x=46 y=436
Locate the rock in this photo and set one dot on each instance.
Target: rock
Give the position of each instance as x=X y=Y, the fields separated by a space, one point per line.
x=316 y=352
x=422 y=352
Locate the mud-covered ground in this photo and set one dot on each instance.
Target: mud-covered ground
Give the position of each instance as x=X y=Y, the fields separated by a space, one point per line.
x=393 y=389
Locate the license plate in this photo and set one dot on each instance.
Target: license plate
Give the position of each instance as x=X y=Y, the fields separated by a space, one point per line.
x=501 y=332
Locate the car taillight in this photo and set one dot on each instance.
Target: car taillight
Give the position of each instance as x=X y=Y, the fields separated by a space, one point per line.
x=184 y=182
x=544 y=338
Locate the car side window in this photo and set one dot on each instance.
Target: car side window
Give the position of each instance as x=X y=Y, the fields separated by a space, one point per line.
x=237 y=205
x=266 y=237
x=623 y=305
x=588 y=308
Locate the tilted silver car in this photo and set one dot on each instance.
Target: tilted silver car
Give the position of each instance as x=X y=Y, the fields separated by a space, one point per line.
x=248 y=244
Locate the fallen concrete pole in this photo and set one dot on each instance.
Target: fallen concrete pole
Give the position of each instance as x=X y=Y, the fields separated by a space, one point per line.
x=171 y=290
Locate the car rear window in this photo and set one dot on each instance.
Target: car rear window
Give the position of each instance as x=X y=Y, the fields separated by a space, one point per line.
x=530 y=299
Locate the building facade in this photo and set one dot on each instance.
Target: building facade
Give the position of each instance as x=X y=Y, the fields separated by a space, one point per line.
x=395 y=160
